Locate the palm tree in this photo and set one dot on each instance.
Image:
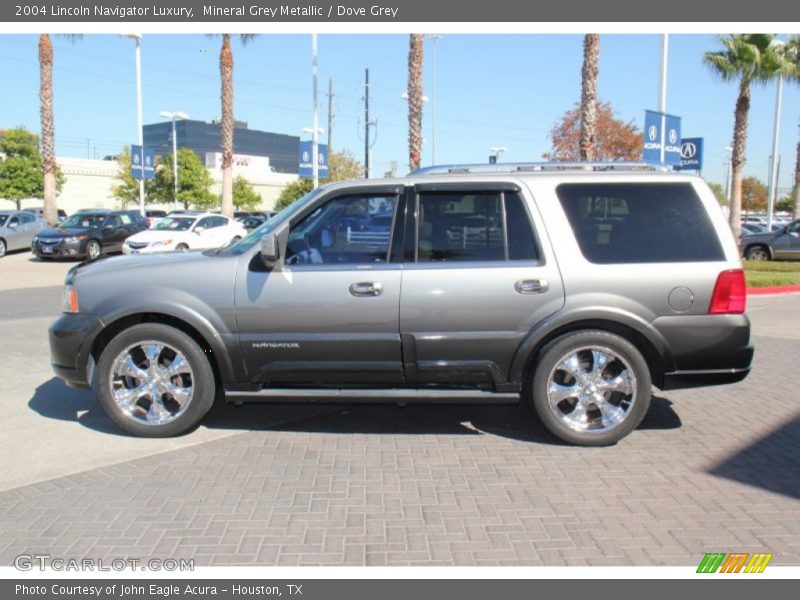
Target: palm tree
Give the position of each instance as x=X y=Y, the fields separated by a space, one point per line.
x=747 y=59
x=591 y=67
x=415 y=60
x=226 y=121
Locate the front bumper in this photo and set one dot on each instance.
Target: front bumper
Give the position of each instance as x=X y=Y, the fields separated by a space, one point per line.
x=151 y=249
x=60 y=249
x=707 y=349
x=71 y=339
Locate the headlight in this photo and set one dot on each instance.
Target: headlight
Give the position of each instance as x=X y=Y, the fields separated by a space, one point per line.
x=35 y=239
x=161 y=243
x=69 y=303
x=74 y=238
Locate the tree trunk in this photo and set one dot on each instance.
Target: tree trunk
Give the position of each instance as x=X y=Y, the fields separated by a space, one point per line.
x=591 y=67
x=797 y=181
x=737 y=157
x=226 y=124
x=48 y=142
x=415 y=58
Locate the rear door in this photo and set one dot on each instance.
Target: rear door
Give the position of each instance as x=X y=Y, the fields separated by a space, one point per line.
x=787 y=245
x=475 y=281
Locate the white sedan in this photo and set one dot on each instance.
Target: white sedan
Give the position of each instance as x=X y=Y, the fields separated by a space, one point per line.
x=185 y=232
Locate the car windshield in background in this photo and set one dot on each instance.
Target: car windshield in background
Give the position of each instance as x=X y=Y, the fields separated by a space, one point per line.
x=83 y=221
x=175 y=223
x=252 y=238
x=3 y=219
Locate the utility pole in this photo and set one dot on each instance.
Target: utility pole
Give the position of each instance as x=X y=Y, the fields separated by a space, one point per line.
x=315 y=133
x=330 y=116
x=366 y=125
x=662 y=92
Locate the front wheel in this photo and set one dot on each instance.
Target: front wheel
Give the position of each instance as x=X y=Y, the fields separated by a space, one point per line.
x=3 y=248
x=181 y=247
x=93 y=249
x=590 y=388
x=155 y=381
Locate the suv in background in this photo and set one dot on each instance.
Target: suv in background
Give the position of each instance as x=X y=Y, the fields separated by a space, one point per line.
x=780 y=244
x=39 y=212
x=574 y=288
x=88 y=234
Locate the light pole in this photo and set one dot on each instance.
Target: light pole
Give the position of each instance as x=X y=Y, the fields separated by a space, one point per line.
x=728 y=158
x=137 y=37
x=495 y=152
x=773 y=171
x=662 y=92
x=165 y=114
x=434 y=37
x=315 y=131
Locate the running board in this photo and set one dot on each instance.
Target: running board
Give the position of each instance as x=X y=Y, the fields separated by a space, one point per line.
x=392 y=396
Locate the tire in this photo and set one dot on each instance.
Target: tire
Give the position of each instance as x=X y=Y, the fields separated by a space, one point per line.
x=757 y=253
x=181 y=247
x=128 y=399
x=3 y=248
x=93 y=250
x=609 y=400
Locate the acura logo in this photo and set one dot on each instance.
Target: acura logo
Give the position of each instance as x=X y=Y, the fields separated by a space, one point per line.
x=673 y=136
x=306 y=156
x=652 y=133
x=688 y=151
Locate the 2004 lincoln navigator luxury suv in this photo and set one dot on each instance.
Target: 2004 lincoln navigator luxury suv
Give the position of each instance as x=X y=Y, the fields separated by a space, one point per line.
x=574 y=288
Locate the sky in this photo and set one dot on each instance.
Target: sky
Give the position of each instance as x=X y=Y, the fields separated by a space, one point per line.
x=490 y=90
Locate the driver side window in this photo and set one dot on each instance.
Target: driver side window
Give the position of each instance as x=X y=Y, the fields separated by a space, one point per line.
x=345 y=230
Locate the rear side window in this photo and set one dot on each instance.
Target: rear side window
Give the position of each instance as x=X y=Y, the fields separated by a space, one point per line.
x=639 y=222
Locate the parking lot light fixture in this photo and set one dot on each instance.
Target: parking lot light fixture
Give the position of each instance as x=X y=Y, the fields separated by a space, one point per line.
x=165 y=114
x=496 y=150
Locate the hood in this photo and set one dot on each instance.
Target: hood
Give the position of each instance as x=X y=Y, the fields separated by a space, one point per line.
x=138 y=261
x=153 y=235
x=761 y=237
x=60 y=232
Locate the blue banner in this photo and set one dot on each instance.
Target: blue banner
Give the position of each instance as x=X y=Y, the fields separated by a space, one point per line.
x=305 y=168
x=662 y=131
x=143 y=162
x=691 y=154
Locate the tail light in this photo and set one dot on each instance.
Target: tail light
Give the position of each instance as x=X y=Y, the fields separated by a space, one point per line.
x=730 y=296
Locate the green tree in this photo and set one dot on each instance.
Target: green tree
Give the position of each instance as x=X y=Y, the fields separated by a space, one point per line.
x=245 y=196
x=341 y=166
x=127 y=188
x=746 y=59
x=194 y=181
x=754 y=194
x=21 y=173
x=786 y=204
x=719 y=192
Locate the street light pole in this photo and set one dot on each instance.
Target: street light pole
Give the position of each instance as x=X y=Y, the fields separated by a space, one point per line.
x=662 y=92
x=434 y=38
x=315 y=130
x=773 y=171
x=137 y=37
x=496 y=150
x=173 y=116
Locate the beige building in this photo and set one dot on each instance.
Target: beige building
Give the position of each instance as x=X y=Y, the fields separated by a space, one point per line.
x=89 y=184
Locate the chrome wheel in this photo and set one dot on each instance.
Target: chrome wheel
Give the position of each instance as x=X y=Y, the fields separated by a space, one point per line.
x=591 y=389
x=757 y=253
x=92 y=250
x=151 y=383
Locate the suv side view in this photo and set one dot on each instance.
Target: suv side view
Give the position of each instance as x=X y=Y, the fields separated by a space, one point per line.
x=573 y=288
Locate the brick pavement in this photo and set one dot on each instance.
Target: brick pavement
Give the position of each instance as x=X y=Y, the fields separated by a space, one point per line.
x=714 y=469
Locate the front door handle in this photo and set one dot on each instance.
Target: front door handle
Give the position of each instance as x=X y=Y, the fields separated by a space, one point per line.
x=366 y=288
x=531 y=286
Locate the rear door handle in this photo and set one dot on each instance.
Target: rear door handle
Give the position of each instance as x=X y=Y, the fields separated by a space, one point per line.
x=366 y=288
x=531 y=286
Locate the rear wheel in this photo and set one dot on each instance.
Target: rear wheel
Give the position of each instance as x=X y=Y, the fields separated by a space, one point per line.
x=590 y=388
x=757 y=253
x=3 y=248
x=155 y=381
x=181 y=247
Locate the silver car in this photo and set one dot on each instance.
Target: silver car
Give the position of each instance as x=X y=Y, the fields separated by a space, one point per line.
x=574 y=289
x=17 y=229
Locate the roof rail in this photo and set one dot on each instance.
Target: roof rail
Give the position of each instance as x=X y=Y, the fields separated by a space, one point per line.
x=538 y=166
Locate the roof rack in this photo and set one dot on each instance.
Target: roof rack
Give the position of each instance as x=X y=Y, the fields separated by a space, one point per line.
x=538 y=166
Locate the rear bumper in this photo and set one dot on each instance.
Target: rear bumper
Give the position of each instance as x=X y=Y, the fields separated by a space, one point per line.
x=707 y=349
x=71 y=338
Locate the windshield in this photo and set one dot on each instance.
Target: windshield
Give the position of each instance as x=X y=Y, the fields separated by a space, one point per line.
x=254 y=237
x=174 y=223
x=3 y=219
x=83 y=221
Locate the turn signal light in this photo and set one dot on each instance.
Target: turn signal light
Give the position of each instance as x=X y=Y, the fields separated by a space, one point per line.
x=70 y=299
x=730 y=295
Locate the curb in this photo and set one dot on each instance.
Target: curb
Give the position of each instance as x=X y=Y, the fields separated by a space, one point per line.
x=773 y=290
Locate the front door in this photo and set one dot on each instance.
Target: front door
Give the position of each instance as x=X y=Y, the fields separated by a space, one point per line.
x=475 y=282
x=330 y=314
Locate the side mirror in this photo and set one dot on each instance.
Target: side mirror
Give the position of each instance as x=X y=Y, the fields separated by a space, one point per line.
x=12 y=225
x=270 y=250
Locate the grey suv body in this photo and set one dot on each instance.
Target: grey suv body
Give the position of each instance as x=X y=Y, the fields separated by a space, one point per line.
x=575 y=291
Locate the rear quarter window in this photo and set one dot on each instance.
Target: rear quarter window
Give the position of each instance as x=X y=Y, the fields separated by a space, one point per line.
x=639 y=222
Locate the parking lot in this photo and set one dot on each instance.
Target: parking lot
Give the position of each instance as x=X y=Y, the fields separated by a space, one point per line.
x=714 y=469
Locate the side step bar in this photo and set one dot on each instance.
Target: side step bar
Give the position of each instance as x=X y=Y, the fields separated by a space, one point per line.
x=377 y=395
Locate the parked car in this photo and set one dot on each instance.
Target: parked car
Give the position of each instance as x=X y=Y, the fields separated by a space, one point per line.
x=40 y=212
x=781 y=244
x=185 y=232
x=251 y=222
x=17 y=229
x=240 y=214
x=603 y=282
x=152 y=216
x=88 y=234
x=266 y=215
